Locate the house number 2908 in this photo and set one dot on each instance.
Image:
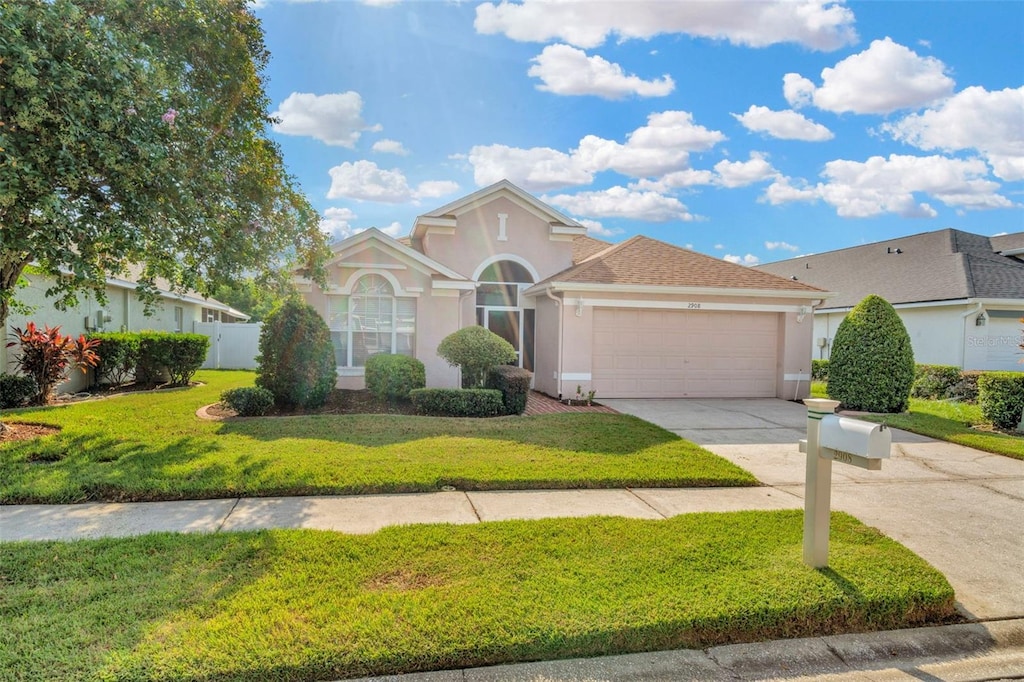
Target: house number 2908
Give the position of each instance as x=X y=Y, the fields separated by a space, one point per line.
x=693 y=306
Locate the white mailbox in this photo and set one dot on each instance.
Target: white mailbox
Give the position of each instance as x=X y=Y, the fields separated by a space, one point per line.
x=855 y=442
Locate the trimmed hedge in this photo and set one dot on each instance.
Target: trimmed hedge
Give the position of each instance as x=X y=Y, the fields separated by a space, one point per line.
x=391 y=377
x=935 y=382
x=514 y=384
x=966 y=388
x=173 y=355
x=119 y=356
x=296 y=360
x=872 y=363
x=457 y=402
x=1001 y=397
x=16 y=390
x=248 y=401
x=819 y=370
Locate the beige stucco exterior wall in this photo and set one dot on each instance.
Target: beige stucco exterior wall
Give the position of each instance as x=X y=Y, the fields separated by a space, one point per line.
x=475 y=240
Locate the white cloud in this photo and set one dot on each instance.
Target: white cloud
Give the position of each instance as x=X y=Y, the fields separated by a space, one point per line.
x=537 y=169
x=676 y=180
x=596 y=229
x=889 y=185
x=883 y=78
x=818 y=24
x=334 y=119
x=749 y=259
x=719 y=247
x=393 y=230
x=390 y=147
x=785 y=125
x=974 y=118
x=568 y=71
x=620 y=202
x=662 y=146
x=337 y=223
x=364 y=181
x=772 y=246
x=743 y=173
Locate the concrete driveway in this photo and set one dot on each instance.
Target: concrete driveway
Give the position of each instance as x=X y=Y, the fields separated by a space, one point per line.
x=958 y=508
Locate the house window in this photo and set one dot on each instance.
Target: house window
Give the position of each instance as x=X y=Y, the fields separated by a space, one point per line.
x=370 y=321
x=179 y=318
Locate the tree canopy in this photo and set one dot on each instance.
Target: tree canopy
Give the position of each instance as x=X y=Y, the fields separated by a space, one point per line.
x=133 y=133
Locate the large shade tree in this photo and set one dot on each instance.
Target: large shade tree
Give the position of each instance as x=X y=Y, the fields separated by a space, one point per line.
x=133 y=134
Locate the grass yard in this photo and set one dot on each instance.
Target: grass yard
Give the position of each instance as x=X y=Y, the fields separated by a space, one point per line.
x=291 y=605
x=945 y=420
x=151 y=446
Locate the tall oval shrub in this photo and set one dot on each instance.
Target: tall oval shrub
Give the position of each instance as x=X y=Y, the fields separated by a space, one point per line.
x=872 y=362
x=475 y=350
x=296 y=360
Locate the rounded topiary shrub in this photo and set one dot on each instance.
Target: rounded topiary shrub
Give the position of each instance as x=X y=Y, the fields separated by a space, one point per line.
x=391 y=377
x=296 y=360
x=475 y=350
x=248 y=401
x=1001 y=398
x=872 y=363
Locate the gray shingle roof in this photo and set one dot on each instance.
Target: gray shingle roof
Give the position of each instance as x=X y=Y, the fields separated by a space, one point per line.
x=933 y=266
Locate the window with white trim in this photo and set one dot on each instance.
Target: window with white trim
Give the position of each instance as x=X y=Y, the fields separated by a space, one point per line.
x=371 y=320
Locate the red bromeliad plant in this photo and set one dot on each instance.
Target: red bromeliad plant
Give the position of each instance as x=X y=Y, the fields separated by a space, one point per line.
x=48 y=356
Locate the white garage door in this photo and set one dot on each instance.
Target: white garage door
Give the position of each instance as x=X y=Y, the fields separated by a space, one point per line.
x=642 y=353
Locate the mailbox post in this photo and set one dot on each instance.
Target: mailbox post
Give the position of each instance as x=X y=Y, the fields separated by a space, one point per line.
x=830 y=437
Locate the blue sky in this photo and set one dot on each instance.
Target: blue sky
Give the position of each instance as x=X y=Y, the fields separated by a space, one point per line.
x=752 y=131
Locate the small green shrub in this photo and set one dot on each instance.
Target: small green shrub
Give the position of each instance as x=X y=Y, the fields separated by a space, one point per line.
x=872 y=363
x=966 y=389
x=16 y=390
x=119 y=355
x=296 y=360
x=1001 y=397
x=935 y=382
x=514 y=384
x=391 y=377
x=248 y=401
x=474 y=350
x=819 y=370
x=172 y=356
x=456 y=402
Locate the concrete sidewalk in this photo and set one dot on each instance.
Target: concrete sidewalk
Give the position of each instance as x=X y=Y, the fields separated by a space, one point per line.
x=370 y=513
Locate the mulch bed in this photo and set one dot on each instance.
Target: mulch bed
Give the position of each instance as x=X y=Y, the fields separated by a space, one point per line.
x=15 y=432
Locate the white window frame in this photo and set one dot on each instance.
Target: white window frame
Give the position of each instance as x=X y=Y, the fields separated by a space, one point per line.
x=352 y=324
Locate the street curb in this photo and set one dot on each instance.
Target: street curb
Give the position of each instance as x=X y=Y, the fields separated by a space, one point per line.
x=969 y=651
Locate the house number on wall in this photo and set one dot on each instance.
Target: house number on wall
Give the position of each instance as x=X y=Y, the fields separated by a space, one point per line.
x=693 y=306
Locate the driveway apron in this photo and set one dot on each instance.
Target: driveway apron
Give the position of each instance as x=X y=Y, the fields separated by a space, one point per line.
x=956 y=507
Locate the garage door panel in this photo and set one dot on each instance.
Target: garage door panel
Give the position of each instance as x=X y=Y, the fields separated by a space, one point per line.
x=684 y=354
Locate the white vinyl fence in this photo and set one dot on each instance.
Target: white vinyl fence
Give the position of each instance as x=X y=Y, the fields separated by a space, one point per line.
x=233 y=345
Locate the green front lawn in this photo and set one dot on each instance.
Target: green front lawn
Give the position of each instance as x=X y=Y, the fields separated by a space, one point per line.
x=151 y=446
x=945 y=420
x=291 y=605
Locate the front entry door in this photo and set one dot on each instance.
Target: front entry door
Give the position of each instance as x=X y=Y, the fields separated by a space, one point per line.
x=509 y=324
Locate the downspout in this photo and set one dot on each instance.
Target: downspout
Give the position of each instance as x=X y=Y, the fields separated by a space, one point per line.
x=558 y=358
x=978 y=307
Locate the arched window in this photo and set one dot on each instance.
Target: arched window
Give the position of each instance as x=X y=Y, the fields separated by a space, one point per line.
x=369 y=321
x=499 y=306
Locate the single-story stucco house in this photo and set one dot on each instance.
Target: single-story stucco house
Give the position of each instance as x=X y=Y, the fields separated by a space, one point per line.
x=960 y=295
x=641 y=318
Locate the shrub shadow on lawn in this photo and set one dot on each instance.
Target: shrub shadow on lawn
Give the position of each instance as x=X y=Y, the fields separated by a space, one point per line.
x=613 y=434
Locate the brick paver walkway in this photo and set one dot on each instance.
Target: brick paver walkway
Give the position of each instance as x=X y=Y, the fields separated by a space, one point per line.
x=539 y=403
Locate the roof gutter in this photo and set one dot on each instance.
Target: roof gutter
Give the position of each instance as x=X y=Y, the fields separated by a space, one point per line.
x=660 y=289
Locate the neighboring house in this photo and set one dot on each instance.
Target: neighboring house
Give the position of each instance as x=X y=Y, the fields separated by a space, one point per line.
x=122 y=312
x=638 y=319
x=960 y=295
